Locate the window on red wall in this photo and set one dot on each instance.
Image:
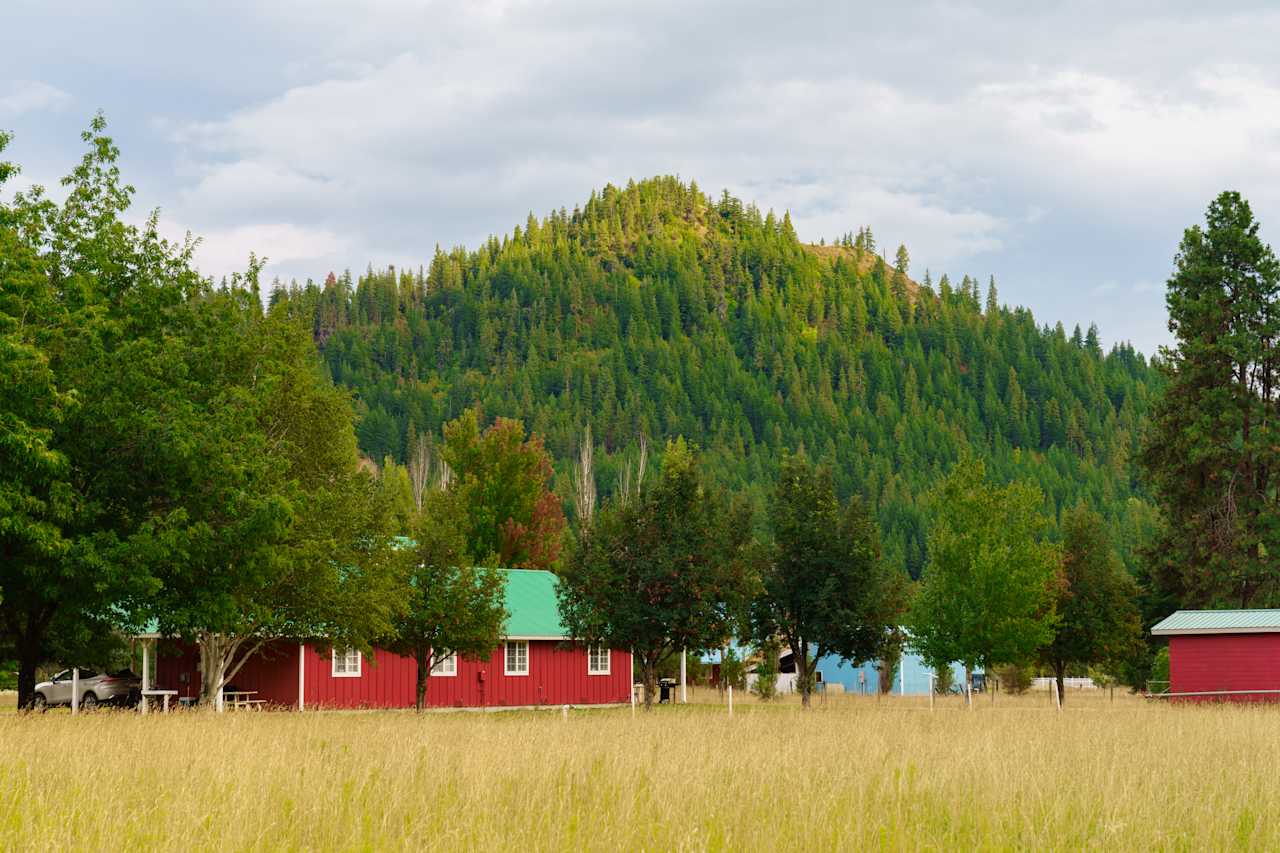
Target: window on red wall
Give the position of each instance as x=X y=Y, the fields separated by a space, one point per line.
x=517 y=658
x=346 y=663
x=597 y=660
x=445 y=666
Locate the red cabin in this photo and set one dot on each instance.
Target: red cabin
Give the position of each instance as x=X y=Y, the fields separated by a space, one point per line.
x=534 y=665
x=1223 y=655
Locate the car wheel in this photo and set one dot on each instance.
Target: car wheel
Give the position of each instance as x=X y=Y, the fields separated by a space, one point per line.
x=39 y=704
x=89 y=702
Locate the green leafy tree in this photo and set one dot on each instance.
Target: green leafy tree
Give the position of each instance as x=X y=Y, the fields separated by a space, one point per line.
x=733 y=670
x=943 y=679
x=1213 y=448
x=663 y=573
x=455 y=608
x=1098 y=619
x=766 y=670
x=503 y=479
x=275 y=530
x=824 y=588
x=36 y=496
x=987 y=594
x=85 y=300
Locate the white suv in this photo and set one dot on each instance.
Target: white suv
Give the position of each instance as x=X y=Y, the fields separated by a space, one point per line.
x=96 y=689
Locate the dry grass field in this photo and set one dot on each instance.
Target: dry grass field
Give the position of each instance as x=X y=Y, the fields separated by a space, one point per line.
x=852 y=773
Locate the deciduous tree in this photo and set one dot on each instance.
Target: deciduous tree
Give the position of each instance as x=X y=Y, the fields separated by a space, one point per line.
x=1096 y=600
x=663 y=573
x=503 y=480
x=455 y=608
x=987 y=594
x=824 y=588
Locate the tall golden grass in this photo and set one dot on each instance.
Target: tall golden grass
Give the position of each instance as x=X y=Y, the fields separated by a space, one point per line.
x=853 y=772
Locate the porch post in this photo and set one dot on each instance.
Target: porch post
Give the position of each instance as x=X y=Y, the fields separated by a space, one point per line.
x=302 y=676
x=146 y=673
x=684 y=685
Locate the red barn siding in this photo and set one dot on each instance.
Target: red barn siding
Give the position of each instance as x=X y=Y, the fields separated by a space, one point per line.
x=1211 y=662
x=557 y=676
x=272 y=672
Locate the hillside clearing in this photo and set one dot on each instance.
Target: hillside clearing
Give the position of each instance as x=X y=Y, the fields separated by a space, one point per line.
x=853 y=772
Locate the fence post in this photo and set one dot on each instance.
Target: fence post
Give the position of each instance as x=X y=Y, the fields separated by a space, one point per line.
x=75 y=690
x=931 y=691
x=730 y=700
x=1057 y=697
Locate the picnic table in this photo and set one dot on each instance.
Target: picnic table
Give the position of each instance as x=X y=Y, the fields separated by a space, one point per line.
x=242 y=700
x=163 y=694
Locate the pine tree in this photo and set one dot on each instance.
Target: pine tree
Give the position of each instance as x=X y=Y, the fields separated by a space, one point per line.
x=1214 y=442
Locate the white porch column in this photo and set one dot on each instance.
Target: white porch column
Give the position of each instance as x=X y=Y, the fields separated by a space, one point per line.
x=146 y=673
x=302 y=676
x=684 y=686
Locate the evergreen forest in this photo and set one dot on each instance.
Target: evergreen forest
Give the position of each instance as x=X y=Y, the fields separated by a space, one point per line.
x=655 y=311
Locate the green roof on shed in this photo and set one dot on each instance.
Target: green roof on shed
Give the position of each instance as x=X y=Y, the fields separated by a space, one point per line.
x=530 y=598
x=1218 y=622
x=532 y=609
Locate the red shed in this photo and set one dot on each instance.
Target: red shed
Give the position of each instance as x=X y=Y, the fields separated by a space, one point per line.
x=534 y=665
x=1223 y=655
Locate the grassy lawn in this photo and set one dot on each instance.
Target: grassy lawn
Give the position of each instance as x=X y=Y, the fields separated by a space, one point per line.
x=852 y=772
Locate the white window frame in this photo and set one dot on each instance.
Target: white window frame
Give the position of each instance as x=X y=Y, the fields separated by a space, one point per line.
x=506 y=657
x=346 y=659
x=446 y=667
x=592 y=653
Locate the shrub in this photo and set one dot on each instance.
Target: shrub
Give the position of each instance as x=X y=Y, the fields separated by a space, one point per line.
x=1015 y=679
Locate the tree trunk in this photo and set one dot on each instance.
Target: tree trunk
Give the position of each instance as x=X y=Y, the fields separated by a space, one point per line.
x=213 y=668
x=1060 y=674
x=217 y=652
x=28 y=637
x=423 y=656
x=649 y=675
x=804 y=678
x=27 y=663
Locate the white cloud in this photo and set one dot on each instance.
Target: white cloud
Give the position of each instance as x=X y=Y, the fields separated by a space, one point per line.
x=1059 y=147
x=224 y=251
x=25 y=96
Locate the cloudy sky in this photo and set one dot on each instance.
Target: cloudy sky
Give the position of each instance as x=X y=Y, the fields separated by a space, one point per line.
x=1062 y=152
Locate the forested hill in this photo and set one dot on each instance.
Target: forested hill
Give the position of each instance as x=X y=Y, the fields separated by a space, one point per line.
x=655 y=310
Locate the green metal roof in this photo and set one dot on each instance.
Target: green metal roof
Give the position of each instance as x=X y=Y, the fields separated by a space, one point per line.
x=1218 y=622
x=533 y=612
x=529 y=597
